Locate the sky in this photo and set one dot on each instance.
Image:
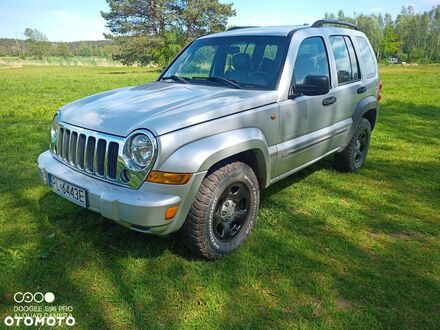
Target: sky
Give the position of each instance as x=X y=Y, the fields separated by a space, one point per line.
x=72 y=20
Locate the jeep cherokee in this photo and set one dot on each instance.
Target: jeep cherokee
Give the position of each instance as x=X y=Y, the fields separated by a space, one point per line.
x=233 y=113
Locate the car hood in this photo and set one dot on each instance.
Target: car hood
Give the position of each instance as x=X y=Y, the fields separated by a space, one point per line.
x=160 y=107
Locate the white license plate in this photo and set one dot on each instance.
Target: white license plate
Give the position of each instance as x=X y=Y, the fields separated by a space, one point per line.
x=69 y=191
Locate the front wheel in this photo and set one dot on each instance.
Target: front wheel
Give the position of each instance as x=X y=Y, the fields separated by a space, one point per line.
x=353 y=156
x=223 y=212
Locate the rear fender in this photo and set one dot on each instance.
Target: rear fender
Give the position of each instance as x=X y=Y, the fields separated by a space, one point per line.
x=365 y=105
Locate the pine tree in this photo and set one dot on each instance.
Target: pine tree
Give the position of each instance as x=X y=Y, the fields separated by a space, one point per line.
x=153 y=31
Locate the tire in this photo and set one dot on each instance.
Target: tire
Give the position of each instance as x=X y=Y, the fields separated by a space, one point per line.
x=223 y=212
x=353 y=156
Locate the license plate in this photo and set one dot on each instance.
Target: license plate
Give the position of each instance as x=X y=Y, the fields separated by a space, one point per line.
x=69 y=191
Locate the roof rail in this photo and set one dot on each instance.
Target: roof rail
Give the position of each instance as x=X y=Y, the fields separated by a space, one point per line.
x=321 y=23
x=232 y=28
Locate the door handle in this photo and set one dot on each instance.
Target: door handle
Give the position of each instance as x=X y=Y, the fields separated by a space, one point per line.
x=361 y=90
x=329 y=100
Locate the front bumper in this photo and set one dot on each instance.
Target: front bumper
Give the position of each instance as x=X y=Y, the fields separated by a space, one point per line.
x=141 y=210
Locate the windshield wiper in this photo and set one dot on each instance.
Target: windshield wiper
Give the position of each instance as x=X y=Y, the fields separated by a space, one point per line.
x=176 y=78
x=222 y=80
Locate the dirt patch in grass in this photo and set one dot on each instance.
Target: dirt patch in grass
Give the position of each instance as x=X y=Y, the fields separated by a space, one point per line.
x=405 y=235
x=343 y=303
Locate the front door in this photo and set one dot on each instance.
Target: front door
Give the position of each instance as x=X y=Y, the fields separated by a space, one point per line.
x=307 y=121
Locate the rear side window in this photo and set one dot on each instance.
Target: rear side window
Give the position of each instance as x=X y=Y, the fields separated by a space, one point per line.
x=270 y=52
x=347 y=65
x=311 y=60
x=353 y=59
x=367 y=56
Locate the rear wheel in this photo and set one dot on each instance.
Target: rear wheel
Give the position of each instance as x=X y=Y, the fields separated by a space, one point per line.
x=223 y=212
x=353 y=156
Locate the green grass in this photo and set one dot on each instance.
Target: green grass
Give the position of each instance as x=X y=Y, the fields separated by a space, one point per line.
x=329 y=250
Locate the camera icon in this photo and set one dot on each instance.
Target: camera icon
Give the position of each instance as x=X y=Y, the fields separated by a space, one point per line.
x=37 y=297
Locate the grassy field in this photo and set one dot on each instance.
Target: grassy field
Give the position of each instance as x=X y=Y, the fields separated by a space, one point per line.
x=329 y=250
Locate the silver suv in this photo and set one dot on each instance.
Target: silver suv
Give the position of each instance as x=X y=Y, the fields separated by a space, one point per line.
x=233 y=113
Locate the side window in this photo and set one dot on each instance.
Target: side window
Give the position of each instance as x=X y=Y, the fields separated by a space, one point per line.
x=311 y=59
x=346 y=63
x=271 y=60
x=356 y=75
x=270 y=52
x=367 y=56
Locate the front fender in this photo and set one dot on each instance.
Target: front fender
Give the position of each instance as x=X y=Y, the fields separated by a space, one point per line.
x=201 y=155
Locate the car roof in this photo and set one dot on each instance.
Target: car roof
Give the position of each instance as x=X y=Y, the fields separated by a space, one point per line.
x=283 y=31
x=258 y=30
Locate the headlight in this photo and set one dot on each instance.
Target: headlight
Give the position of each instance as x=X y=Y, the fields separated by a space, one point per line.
x=139 y=151
x=54 y=129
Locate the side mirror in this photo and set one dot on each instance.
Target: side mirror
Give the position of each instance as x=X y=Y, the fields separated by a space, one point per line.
x=314 y=85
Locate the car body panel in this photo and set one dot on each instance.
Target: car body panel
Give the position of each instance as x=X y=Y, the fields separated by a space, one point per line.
x=160 y=107
x=202 y=154
x=141 y=210
x=253 y=120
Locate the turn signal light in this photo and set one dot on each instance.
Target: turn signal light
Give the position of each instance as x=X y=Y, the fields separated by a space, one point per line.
x=171 y=212
x=379 y=95
x=168 y=178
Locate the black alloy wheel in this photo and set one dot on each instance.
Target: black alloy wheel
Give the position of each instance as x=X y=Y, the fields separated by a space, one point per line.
x=231 y=211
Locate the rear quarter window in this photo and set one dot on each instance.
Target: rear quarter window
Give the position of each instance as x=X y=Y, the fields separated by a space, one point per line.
x=367 y=56
x=270 y=52
x=345 y=58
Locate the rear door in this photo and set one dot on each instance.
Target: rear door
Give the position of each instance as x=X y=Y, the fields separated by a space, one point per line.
x=349 y=86
x=369 y=65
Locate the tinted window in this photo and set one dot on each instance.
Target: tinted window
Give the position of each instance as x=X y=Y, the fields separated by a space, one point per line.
x=311 y=59
x=367 y=56
x=353 y=59
x=346 y=71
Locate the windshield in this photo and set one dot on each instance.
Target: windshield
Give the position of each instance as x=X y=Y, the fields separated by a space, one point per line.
x=236 y=62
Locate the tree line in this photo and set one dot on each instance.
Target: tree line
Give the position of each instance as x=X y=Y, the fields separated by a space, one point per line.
x=36 y=45
x=411 y=37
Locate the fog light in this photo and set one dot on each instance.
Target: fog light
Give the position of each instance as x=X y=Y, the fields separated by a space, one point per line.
x=171 y=212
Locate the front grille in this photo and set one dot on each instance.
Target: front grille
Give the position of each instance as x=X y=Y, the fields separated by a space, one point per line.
x=88 y=151
x=96 y=154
